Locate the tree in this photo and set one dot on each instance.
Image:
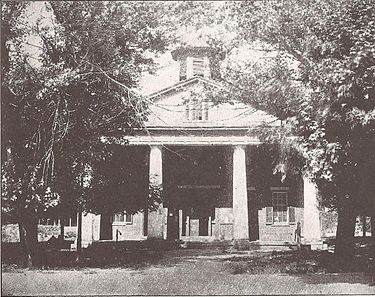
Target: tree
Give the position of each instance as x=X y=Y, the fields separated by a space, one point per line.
x=24 y=194
x=79 y=88
x=321 y=81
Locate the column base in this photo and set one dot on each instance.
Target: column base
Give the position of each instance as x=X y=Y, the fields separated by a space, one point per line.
x=241 y=244
x=314 y=244
x=155 y=224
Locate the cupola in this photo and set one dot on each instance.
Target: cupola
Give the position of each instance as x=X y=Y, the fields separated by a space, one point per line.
x=194 y=61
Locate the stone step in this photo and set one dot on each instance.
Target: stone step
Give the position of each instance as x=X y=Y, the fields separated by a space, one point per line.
x=241 y=245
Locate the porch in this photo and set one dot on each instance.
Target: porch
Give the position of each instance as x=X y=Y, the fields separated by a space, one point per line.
x=211 y=193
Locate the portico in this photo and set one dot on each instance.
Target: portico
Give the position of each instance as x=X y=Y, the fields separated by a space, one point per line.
x=188 y=222
x=221 y=206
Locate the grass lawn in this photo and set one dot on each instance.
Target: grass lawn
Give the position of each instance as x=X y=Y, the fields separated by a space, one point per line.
x=193 y=272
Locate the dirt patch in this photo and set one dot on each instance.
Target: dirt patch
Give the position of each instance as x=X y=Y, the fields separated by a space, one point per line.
x=296 y=262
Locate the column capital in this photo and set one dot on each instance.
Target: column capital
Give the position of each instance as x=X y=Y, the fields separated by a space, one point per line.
x=156 y=146
x=236 y=147
x=307 y=176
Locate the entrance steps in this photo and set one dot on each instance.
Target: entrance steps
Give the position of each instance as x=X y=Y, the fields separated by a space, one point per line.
x=243 y=245
x=206 y=244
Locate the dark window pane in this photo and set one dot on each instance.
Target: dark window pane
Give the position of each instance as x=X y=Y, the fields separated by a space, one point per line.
x=128 y=218
x=73 y=221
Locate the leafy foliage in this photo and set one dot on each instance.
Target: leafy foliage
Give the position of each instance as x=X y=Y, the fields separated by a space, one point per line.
x=90 y=56
x=316 y=73
x=319 y=78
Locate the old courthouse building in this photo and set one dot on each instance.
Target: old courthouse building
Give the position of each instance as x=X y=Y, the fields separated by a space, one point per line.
x=204 y=155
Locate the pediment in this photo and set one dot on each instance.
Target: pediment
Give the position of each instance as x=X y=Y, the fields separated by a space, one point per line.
x=169 y=109
x=180 y=87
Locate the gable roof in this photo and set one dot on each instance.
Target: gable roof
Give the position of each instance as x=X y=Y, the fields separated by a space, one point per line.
x=182 y=84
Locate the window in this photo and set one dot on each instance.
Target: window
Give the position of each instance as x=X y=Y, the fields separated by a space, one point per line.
x=280 y=213
x=197 y=110
x=280 y=207
x=123 y=217
x=198 y=67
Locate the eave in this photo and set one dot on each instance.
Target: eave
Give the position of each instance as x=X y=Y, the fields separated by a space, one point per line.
x=182 y=84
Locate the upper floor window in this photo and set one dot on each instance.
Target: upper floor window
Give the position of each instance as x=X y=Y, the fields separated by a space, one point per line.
x=123 y=217
x=197 y=110
x=198 y=67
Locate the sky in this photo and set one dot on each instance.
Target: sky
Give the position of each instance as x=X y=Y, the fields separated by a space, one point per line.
x=168 y=69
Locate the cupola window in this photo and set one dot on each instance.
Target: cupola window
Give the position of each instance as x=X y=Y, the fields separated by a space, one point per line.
x=198 y=67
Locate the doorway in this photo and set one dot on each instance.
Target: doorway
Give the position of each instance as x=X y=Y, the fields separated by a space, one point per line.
x=199 y=221
x=203 y=227
x=173 y=224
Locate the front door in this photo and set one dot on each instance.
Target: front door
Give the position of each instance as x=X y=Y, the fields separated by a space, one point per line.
x=203 y=226
x=173 y=224
x=199 y=221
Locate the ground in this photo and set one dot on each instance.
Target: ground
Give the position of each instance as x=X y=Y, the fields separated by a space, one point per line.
x=189 y=272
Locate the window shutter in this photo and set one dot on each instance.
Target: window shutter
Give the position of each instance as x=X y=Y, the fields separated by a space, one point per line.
x=269 y=215
x=292 y=215
x=183 y=69
x=187 y=111
x=206 y=106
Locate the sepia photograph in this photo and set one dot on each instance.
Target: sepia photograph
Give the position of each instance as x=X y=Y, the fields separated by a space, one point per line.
x=153 y=148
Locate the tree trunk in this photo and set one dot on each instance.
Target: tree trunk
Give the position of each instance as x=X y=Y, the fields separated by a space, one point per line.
x=28 y=229
x=344 y=247
x=79 y=233
x=62 y=229
x=372 y=244
x=105 y=227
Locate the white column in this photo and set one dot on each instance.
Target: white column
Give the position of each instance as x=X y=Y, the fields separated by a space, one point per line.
x=90 y=228
x=311 y=224
x=165 y=222
x=209 y=226
x=180 y=222
x=240 y=211
x=187 y=226
x=156 y=218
